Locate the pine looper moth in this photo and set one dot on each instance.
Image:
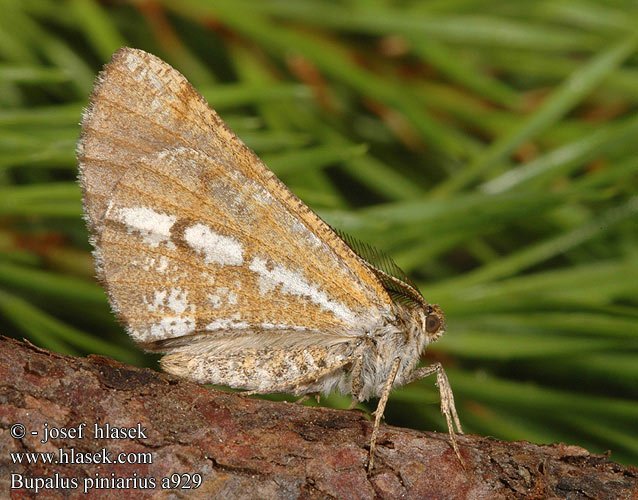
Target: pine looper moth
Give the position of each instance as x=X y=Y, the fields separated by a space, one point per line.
x=208 y=257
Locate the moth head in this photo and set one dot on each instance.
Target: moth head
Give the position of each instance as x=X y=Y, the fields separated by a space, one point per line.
x=433 y=322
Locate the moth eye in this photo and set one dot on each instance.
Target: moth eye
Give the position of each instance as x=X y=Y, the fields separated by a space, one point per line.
x=433 y=323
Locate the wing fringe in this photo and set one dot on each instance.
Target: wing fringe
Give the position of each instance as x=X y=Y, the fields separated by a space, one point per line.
x=398 y=284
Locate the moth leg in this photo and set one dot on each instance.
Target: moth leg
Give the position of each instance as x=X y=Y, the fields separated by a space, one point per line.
x=308 y=378
x=447 y=399
x=355 y=382
x=378 y=414
x=306 y=397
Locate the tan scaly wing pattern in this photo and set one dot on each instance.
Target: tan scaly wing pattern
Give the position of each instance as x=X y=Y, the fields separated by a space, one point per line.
x=193 y=234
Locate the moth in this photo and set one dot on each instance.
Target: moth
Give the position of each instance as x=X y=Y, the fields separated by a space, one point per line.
x=208 y=257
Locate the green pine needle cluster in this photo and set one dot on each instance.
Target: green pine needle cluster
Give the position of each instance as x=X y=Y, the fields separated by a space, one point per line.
x=488 y=146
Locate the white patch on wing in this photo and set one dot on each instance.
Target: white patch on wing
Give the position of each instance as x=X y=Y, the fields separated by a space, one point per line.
x=262 y=196
x=177 y=300
x=172 y=326
x=154 y=80
x=163 y=264
x=294 y=283
x=149 y=262
x=225 y=324
x=281 y=326
x=272 y=326
x=132 y=61
x=215 y=300
x=298 y=227
x=215 y=248
x=221 y=295
x=156 y=105
x=158 y=299
x=154 y=227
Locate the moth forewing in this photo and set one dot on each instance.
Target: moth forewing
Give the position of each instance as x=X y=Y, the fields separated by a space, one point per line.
x=207 y=256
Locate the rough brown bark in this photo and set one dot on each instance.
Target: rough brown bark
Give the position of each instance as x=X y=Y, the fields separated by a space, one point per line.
x=251 y=448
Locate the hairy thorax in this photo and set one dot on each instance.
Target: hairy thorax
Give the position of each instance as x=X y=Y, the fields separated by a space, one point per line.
x=404 y=338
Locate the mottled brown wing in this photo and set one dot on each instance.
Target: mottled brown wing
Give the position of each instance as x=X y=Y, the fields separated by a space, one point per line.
x=193 y=234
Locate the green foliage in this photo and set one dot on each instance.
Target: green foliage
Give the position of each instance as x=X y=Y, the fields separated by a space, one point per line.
x=488 y=146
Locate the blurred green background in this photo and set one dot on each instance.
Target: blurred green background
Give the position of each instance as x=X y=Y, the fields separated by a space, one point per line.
x=488 y=146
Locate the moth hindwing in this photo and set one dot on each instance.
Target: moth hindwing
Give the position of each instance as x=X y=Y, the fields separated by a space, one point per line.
x=398 y=284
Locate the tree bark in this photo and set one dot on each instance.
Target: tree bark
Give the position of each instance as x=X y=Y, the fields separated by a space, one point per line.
x=246 y=447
